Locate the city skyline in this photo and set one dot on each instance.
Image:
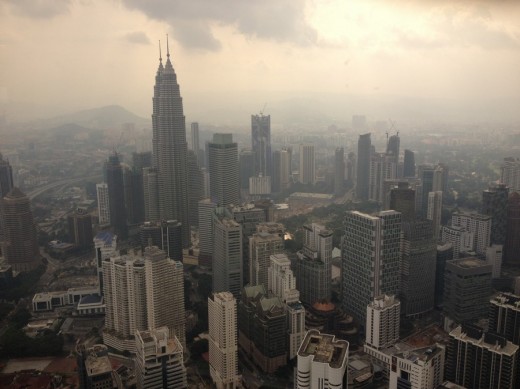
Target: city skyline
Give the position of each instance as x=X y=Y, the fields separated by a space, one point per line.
x=438 y=56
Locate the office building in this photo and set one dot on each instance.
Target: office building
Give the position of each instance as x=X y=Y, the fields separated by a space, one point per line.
x=479 y=226
x=94 y=367
x=103 y=204
x=504 y=316
x=481 y=360
x=460 y=239
x=494 y=204
x=223 y=170
x=105 y=245
x=382 y=324
x=313 y=264
x=6 y=177
x=80 y=228
x=194 y=135
x=512 y=245
x=261 y=246
x=159 y=361
x=307 y=164
x=259 y=186
x=282 y=170
x=223 y=340
x=418 y=369
x=339 y=171
x=371 y=264
x=227 y=254
x=510 y=173
x=392 y=147
x=435 y=212
x=20 y=243
x=382 y=168
x=322 y=362
x=116 y=195
x=206 y=208
x=140 y=161
x=246 y=164
x=444 y=254
x=282 y=284
x=195 y=188
x=409 y=164
x=426 y=174
x=262 y=328
x=440 y=178
x=418 y=249
x=494 y=254
x=170 y=148
x=261 y=143
x=467 y=288
x=151 y=195
x=402 y=199
x=167 y=235
x=350 y=168
x=363 y=166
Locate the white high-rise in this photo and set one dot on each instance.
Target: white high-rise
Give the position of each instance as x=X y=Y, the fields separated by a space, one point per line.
x=159 y=361
x=103 y=204
x=307 y=164
x=478 y=225
x=223 y=346
x=261 y=246
x=382 y=325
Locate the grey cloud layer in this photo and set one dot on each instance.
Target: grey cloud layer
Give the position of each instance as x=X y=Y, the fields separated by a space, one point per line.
x=40 y=9
x=191 y=20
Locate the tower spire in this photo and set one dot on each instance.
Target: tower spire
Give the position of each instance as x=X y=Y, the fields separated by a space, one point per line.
x=160 y=51
x=167 y=47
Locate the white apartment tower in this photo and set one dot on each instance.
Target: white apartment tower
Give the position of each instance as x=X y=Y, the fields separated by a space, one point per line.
x=322 y=362
x=479 y=226
x=159 y=360
x=103 y=204
x=261 y=246
x=307 y=164
x=382 y=325
x=418 y=369
x=223 y=347
x=282 y=284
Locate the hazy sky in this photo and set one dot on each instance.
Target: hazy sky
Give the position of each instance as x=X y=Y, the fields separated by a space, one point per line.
x=64 y=55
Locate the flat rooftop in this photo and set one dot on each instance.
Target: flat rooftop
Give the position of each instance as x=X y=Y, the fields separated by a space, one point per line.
x=324 y=348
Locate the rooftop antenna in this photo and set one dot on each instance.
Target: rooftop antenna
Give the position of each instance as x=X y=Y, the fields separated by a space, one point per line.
x=263 y=109
x=160 y=51
x=167 y=47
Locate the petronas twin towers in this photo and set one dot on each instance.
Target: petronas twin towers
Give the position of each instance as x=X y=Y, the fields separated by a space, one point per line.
x=170 y=148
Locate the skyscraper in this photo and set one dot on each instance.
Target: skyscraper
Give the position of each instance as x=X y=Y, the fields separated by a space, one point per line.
x=477 y=225
x=426 y=174
x=504 y=316
x=139 y=161
x=392 y=148
x=307 y=164
x=206 y=208
x=510 y=173
x=383 y=318
x=512 y=246
x=167 y=235
x=261 y=143
x=261 y=246
x=282 y=170
x=402 y=199
x=80 y=228
x=151 y=195
x=195 y=145
x=246 y=162
x=20 y=245
x=223 y=170
x=435 y=211
x=6 y=177
x=382 y=168
x=103 y=204
x=371 y=259
x=195 y=188
x=409 y=164
x=223 y=340
x=116 y=195
x=444 y=254
x=339 y=171
x=363 y=166
x=494 y=204
x=170 y=148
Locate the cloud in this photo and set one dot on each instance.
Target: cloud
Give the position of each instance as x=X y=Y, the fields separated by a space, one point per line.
x=192 y=20
x=40 y=9
x=138 y=37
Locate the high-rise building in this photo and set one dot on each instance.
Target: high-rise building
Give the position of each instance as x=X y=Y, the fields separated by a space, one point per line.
x=314 y=264
x=339 y=171
x=223 y=170
x=426 y=174
x=159 y=361
x=206 y=208
x=195 y=188
x=392 y=147
x=444 y=254
x=246 y=163
x=440 y=178
x=494 y=254
x=350 y=169
x=151 y=195
x=194 y=132
x=307 y=164
x=481 y=360
x=261 y=246
x=262 y=328
x=20 y=244
x=227 y=253
x=494 y=204
x=94 y=367
x=282 y=284
x=363 y=166
x=103 y=204
x=167 y=235
x=504 y=316
x=402 y=199
x=510 y=173
x=80 y=228
x=139 y=162
x=382 y=324
x=170 y=148
x=116 y=195
x=461 y=239
x=105 y=245
x=371 y=259
x=467 y=288
x=282 y=169
x=435 y=212
x=6 y=177
x=418 y=249
x=418 y=369
x=223 y=340
x=261 y=143
x=512 y=245
x=409 y=164
x=479 y=226
x=322 y=362
x=382 y=168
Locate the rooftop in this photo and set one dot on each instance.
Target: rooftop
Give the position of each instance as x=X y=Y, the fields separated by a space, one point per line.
x=325 y=349
x=490 y=341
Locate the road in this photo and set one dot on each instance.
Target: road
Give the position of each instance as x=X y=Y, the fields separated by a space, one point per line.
x=69 y=181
